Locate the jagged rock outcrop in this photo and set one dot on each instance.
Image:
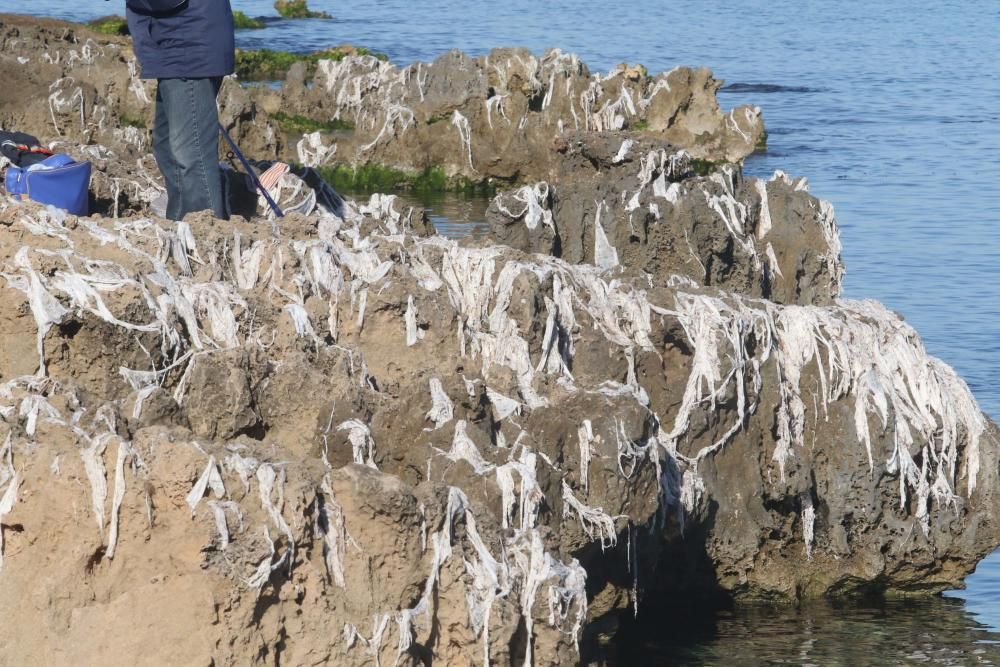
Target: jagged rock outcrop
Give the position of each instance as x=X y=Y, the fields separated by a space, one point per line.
x=347 y=443
x=624 y=200
x=500 y=116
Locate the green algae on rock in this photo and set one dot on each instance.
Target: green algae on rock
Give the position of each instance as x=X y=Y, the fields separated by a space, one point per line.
x=761 y=145
x=109 y=25
x=263 y=64
x=298 y=9
x=268 y=64
x=244 y=22
x=302 y=124
x=380 y=178
x=129 y=121
x=705 y=167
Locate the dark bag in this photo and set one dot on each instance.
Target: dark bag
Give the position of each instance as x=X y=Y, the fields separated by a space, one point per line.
x=154 y=6
x=239 y=192
x=23 y=150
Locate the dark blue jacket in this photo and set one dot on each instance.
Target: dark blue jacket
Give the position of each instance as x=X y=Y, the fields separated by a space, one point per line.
x=193 y=41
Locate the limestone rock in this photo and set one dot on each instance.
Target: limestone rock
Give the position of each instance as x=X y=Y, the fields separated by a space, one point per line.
x=342 y=439
x=559 y=435
x=496 y=116
x=629 y=201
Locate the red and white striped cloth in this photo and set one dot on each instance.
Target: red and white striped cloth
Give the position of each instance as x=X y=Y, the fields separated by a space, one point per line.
x=270 y=178
x=271 y=181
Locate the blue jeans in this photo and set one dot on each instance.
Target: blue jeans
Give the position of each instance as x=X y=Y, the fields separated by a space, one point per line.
x=186 y=145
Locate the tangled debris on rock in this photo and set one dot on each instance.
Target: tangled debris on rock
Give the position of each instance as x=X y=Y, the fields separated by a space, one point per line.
x=632 y=202
x=345 y=439
x=489 y=118
x=495 y=117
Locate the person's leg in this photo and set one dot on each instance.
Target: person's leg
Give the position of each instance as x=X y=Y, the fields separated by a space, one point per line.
x=165 y=157
x=193 y=120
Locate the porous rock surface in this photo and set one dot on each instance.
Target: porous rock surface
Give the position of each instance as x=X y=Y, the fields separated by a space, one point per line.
x=626 y=200
x=351 y=443
x=501 y=116
x=497 y=116
x=342 y=439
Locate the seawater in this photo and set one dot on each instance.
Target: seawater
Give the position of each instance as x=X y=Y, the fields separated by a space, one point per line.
x=891 y=109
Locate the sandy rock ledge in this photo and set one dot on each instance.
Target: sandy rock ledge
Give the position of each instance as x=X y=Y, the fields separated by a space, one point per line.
x=351 y=443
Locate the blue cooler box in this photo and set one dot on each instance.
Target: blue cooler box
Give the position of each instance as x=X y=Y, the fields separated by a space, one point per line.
x=58 y=180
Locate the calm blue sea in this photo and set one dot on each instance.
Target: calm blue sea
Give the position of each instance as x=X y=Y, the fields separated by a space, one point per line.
x=892 y=109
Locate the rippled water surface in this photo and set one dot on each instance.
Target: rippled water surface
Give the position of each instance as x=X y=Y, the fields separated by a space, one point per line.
x=928 y=631
x=892 y=110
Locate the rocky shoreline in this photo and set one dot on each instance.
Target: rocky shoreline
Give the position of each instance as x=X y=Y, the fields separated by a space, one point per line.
x=347 y=439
